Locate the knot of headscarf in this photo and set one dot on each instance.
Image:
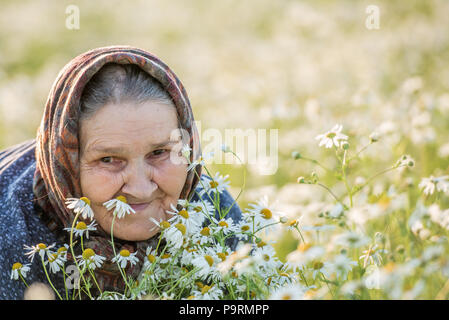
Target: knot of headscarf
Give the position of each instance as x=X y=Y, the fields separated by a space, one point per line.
x=57 y=175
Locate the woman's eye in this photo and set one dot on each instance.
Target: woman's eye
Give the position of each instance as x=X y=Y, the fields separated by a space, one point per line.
x=158 y=152
x=106 y=159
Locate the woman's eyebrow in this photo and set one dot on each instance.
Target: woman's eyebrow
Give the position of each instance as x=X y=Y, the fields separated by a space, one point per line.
x=121 y=149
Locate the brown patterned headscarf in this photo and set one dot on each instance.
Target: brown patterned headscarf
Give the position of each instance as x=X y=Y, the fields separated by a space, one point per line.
x=57 y=175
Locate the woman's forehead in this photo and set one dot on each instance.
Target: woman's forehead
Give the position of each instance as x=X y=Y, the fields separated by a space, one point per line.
x=116 y=126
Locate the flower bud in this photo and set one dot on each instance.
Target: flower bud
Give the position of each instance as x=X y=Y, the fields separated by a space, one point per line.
x=301 y=180
x=374 y=137
x=296 y=155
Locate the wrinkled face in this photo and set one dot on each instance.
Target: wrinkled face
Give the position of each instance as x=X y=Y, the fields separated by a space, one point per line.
x=132 y=151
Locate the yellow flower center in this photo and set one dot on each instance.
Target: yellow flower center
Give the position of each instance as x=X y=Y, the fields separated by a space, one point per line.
x=190 y=297
x=293 y=223
x=213 y=184
x=81 y=226
x=318 y=265
x=122 y=199
x=304 y=247
x=286 y=296
x=165 y=224
x=183 y=213
x=331 y=135
x=267 y=214
x=222 y=256
x=88 y=253
x=125 y=253
x=283 y=274
x=52 y=257
x=16 y=266
x=181 y=227
x=42 y=246
x=245 y=228
x=199 y=284
x=86 y=200
x=266 y=257
x=209 y=260
x=151 y=258
x=205 y=289
x=223 y=224
x=198 y=209
x=269 y=281
x=205 y=231
x=62 y=250
x=261 y=244
x=166 y=256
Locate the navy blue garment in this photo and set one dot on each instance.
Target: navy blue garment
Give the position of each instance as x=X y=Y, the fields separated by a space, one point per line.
x=21 y=225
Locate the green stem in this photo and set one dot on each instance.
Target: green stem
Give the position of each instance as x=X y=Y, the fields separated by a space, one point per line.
x=73 y=254
x=23 y=279
x=115 y=253
x=345 y=180
x=48 y=278
x=315 y=162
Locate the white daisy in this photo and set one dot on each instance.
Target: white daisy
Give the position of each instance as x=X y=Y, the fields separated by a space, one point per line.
x=215 y=185
x=19 y=269
x=201 y=160
x=265 y=216
x=204 y=207
x=289 y=292
x=224 y=225
x=304 y=254
x=120 y=205
x=432 y=183
x=212 y=292
x=206 y=261
x=62 y=252
x=124 y=256
x=55 y=261
x=175 y=235
x=319 y=267
x=203 y=237
x=81 y=228
x=265 y=257
x=342 y=265
x=151 y=256
x=40 y=248
x=81 y=205
x=90 y=259
x=193 y=220
x=372 y=255
x=334 y=137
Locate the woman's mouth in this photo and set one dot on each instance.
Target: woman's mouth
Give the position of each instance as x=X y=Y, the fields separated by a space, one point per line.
x=139 y=206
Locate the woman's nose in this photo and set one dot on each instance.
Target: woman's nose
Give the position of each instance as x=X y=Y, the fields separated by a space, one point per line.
x=138 y=181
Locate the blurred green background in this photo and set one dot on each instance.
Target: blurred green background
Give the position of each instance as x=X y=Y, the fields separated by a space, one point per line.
x=296 y=66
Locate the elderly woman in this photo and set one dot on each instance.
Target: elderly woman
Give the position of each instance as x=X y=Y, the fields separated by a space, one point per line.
x=113 y=125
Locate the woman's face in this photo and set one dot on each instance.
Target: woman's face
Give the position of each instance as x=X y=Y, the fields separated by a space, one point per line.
x=132 y=151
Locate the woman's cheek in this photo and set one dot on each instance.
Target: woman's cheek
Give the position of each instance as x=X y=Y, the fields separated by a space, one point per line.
x=99 y=185
x=172 y=178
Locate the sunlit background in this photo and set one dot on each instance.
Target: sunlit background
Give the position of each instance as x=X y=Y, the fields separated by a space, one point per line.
x=297 y=66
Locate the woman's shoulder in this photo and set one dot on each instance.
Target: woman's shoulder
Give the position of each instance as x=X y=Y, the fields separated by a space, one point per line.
x=17 y=157
x=18 y=225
